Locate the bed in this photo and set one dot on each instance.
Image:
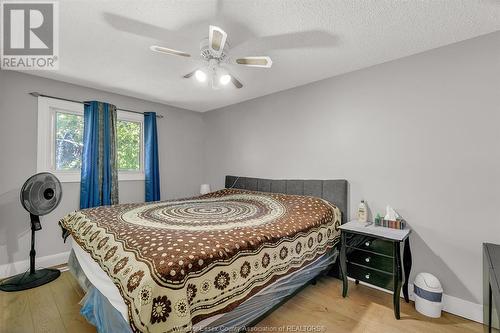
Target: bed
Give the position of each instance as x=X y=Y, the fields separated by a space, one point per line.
x=205 y=263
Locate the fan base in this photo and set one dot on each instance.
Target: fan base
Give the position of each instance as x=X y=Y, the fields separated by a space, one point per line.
x=25 y=281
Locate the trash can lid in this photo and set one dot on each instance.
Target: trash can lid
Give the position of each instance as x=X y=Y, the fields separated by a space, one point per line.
x=428 y=282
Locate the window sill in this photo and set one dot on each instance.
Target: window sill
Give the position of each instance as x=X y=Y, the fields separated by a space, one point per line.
x=74 y=177
x=127 y=176
x=67 y=177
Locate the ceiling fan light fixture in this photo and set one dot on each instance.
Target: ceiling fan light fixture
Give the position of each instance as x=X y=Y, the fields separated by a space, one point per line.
x=200 y=75
x=225 y=79
x=214 y=53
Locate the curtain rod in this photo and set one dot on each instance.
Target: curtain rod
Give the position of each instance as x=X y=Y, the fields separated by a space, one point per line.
x=37 y=94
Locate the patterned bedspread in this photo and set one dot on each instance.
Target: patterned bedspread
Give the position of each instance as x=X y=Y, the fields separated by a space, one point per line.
x=178 y=262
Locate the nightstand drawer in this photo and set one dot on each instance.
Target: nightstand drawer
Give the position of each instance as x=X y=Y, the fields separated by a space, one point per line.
x=371 y=260
x=379 y=279
x=370 y=244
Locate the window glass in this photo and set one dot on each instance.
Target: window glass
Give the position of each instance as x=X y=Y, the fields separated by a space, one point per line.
x=129 y=137
x=68 y=141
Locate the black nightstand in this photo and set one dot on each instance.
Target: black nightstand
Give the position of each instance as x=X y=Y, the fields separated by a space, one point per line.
x=372 y=254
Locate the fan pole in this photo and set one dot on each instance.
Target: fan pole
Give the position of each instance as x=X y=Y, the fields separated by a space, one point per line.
x=35 y=225
x=32 y=251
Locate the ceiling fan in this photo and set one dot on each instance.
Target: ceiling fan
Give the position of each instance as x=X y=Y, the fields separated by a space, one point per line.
x=214 y=51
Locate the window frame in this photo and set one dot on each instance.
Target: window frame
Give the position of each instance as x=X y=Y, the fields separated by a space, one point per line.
x=47 y=109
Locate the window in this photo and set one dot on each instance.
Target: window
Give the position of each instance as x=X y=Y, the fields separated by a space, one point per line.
x=60 y=141
x=129 y=145
x=69 y=141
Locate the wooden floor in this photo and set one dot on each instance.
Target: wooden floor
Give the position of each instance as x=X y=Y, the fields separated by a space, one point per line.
x=54 y=308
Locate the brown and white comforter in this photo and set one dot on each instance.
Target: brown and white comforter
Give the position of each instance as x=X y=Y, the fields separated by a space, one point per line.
x=178 y=262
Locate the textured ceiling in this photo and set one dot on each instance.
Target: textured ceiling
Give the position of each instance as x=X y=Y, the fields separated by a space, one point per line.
x=105 y=44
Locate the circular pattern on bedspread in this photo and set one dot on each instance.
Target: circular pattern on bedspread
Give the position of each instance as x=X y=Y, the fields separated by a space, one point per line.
x=241 y=210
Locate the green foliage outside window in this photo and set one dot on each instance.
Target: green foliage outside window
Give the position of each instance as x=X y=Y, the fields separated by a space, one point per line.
x=69 y=143
x=129 y=145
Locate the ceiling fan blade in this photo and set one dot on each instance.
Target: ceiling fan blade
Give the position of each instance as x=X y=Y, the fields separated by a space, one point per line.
x=144 y=29
x=215 y=83
x=188 y=75
x=166 y=50
x=236 y=83
x=216 y=39
x=264 y=61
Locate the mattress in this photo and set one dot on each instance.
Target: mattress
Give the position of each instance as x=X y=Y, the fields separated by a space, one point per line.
x=102 y=282
x=99 y=279
x=99 y=311
x=178 y=263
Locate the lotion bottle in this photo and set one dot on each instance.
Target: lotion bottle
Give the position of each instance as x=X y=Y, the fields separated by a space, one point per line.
x=362 y=212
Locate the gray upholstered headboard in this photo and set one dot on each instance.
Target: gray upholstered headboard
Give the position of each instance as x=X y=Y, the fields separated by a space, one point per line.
x=334 y=191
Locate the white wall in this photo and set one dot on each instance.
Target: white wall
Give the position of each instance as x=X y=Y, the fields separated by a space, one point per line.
x=421 y=133
x=180 y=149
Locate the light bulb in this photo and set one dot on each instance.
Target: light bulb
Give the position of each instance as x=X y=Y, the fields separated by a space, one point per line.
x=224 y=79
x=200 y=75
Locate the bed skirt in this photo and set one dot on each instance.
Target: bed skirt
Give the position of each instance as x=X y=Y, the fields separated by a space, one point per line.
x=99 y=312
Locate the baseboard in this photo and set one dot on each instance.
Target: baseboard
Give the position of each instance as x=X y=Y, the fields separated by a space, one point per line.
x=451 y=304
x=22 y=266
x=463 y=308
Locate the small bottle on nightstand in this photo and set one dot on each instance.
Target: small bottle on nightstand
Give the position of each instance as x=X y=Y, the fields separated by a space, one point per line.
x=362 y=212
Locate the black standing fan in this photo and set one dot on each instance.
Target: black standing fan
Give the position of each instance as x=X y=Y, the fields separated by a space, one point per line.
x=40 y=195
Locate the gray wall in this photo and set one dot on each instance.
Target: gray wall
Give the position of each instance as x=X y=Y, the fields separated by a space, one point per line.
x=180 y=141
x=421 y=133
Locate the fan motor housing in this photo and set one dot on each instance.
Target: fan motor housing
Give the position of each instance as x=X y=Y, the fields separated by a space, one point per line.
x=207 y=54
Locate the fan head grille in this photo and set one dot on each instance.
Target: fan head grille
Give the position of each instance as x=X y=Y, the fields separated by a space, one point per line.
x=41 y=193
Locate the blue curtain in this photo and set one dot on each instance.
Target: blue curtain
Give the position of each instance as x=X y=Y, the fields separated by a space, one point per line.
x=99 y=182
x=151 y=164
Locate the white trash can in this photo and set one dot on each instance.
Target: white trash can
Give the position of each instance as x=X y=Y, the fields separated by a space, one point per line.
x=428 y=295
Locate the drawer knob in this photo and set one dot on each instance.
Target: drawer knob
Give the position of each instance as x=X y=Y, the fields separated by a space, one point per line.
x=367 y=276
x=367 y=244
x=367 y=259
